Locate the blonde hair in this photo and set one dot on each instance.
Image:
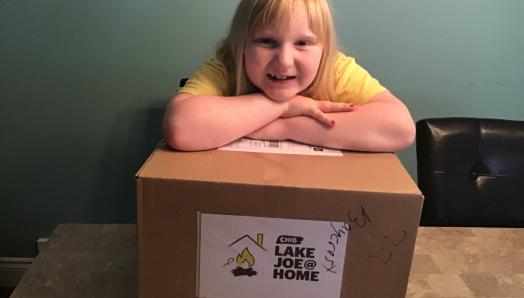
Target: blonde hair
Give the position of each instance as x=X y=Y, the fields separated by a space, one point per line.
x=254 y=15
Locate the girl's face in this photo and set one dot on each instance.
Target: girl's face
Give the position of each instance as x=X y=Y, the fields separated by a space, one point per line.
x=282 y=62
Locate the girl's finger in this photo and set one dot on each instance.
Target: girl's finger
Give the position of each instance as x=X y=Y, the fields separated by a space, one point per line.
x=336 y=107
x=318 y=115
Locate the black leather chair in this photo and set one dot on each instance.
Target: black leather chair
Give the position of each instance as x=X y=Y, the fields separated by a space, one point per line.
x=471 y=171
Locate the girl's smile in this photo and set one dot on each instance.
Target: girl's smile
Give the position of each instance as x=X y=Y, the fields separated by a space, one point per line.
x=282 y=62
x=280 y=77
x=281 y=80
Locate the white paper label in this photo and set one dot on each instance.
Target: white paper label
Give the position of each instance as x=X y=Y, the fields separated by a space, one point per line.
x=259 y=257
x=281 y=147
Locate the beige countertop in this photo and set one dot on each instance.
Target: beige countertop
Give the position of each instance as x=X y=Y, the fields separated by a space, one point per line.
x=468 y=262
x=93 y=260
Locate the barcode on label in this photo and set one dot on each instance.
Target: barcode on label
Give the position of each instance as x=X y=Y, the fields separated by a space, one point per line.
x=274 y=144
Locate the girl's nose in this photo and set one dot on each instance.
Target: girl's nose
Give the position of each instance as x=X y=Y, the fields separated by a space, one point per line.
x=285 y=56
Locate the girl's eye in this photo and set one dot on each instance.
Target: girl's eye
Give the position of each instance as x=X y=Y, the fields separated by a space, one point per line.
x=303 y=43
x=269 y=42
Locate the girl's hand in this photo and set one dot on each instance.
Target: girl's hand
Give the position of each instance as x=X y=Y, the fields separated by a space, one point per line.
x=316 y=109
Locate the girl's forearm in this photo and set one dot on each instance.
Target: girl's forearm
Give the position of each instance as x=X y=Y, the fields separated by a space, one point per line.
x=206 y=122
x=382 y=125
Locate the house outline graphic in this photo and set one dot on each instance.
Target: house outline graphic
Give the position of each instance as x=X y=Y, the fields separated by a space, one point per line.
x=249 y=237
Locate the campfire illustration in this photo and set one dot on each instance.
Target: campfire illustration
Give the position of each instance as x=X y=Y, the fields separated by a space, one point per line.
x=245 y=260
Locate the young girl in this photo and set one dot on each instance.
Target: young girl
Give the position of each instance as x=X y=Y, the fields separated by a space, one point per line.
x=278 y=75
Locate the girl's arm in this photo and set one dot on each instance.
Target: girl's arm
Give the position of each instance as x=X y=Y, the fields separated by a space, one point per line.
x=384 y=124
x=206 y=122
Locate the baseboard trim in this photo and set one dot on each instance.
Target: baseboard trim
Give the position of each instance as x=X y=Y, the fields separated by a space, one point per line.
x=12 y=270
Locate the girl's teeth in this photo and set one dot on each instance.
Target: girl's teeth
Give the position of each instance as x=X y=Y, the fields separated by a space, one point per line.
x=279 y=77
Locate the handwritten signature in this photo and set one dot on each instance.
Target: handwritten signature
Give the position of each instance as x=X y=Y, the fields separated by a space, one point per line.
x=333 y=243
x=360 y=220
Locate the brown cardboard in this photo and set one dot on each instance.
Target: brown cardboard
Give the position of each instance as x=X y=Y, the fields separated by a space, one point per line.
x=383 y=203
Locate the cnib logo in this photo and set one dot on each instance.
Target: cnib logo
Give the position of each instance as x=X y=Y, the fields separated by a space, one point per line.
x=284 y=239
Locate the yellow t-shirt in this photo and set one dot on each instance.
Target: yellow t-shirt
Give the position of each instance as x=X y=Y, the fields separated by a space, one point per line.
x=353 y=83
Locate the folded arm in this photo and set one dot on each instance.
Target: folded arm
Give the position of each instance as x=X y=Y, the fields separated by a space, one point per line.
x=384 y=124
x=206 y=122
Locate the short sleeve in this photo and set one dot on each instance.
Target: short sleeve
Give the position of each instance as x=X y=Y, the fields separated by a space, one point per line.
x=210 y=78
x=353 y=83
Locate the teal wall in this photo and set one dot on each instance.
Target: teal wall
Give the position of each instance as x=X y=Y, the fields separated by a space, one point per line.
x=83 y=85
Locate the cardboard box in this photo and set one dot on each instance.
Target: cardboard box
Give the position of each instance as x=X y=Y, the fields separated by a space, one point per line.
x=372 y=193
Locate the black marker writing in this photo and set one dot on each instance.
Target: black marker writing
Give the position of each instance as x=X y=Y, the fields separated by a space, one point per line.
x=359 y=221
x=385 y=240
x=333 y=243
